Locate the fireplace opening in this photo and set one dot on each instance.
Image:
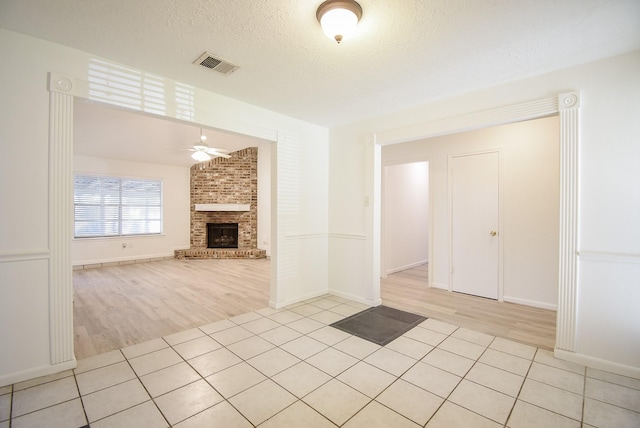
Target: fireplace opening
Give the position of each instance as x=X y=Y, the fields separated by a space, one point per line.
x=222 y=235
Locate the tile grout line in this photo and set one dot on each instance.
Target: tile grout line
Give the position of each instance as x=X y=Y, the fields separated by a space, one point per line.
x=144 y=386
x=35 y=386
x=584 y=396
x=119 y=383
x=84 y=410
x=521 y=386
x=465 y=378
x=581 y=421
x=457 y=384
x=224 y=399
x=11 y=405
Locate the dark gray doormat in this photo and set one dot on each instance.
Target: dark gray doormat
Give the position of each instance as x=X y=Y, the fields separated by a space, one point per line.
x=380 y=324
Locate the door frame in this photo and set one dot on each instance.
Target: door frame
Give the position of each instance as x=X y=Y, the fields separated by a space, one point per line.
x=450 y=158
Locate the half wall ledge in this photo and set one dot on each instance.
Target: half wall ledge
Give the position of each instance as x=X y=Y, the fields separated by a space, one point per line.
x=220 y=253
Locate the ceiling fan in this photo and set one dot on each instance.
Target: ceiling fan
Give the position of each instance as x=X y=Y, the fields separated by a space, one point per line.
x=202 y=153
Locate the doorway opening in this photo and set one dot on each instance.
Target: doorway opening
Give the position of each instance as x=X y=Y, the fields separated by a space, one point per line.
x=405 y=217
x=160 y=149
x=525 y=184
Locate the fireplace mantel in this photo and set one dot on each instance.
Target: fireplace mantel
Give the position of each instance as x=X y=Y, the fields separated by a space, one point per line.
x=222 y=207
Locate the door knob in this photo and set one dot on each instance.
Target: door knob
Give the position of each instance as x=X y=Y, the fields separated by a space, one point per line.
x=493 y=233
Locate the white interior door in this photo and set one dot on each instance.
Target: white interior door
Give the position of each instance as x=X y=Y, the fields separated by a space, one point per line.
x=474 y=224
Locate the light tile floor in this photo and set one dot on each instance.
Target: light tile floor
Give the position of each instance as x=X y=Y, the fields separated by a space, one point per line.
x=287 y=368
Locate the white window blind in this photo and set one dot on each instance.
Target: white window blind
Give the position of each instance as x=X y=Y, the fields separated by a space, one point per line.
x=113 y=206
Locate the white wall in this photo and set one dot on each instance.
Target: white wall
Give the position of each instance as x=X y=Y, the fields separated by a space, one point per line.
x=176 y=204
x=405 y=218
x=609 y=232
x=300 y=198
x=530 y=208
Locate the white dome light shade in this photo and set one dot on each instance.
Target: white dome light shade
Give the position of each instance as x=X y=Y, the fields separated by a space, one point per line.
x=339 y=18
x=339 y=23
x=201 y=156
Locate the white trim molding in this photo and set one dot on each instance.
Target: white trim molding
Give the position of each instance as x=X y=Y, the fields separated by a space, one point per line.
x=528 y=302
x=359 y=236
x=598 y=363
x=482 y=119
x=60 y=219
x=370 y=302
x=405 y=267
x=603 y=257
x=35 y=372
x=21 y=256
x=569 y=109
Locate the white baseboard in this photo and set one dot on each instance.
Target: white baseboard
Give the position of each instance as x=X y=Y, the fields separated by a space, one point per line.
x=122 y=261
x=280 y=305
x=12 y=378
x=353 y=297
x=533 y=303
x=348 y=296
x=598 y=363
x=440 y=286
x=409 y=266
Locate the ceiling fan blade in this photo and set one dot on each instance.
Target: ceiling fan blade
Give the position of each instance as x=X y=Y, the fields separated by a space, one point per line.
x=217 y=152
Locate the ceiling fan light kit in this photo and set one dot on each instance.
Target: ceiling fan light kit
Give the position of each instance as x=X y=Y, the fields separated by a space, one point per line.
x=200 y=155
x=339 y=18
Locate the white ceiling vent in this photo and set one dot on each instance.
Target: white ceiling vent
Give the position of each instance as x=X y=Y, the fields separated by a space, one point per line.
x=215 y=63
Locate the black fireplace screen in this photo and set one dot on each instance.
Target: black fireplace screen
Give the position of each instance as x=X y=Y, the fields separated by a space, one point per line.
x=222 y=235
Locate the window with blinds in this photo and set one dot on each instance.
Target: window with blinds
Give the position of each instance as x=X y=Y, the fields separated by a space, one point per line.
x=114 y=206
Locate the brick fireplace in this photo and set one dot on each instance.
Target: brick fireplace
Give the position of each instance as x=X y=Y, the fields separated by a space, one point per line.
x=225 y=191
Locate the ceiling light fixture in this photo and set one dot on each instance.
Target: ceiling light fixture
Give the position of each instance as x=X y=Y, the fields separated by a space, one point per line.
x=200 y=155
x=339 y=18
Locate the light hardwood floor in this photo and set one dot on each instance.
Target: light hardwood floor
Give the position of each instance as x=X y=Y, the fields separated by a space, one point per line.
x=407 y=290
x=122 y=305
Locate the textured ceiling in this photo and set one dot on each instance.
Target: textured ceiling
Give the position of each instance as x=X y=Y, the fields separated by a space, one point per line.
x=405 y=53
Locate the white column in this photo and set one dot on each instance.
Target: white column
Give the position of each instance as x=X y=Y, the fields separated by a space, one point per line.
x=373 y=213
x=569 y=110
x=60 y=219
